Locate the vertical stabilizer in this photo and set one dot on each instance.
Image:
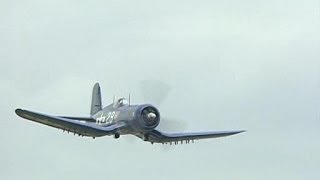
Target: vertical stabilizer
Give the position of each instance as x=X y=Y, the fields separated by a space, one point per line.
x=96 y=104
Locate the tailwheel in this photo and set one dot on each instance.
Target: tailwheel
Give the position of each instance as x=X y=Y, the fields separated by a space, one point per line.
x=146 y=137
x=116 y=135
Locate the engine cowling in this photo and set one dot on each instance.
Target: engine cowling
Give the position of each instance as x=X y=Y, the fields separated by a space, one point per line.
x=149 y=117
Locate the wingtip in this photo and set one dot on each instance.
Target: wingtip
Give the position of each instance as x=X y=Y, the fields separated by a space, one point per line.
x=237 y=132
x=242 y=131
x=19 y=111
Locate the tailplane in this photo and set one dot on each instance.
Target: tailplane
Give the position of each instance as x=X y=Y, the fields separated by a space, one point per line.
x=96 y=104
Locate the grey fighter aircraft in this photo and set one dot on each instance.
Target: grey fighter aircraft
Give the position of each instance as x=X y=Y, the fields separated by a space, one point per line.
x=119 y=118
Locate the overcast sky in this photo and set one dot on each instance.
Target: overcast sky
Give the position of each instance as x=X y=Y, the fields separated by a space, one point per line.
x=230 y=65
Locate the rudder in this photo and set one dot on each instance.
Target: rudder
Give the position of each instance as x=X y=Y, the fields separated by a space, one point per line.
x=96 y=104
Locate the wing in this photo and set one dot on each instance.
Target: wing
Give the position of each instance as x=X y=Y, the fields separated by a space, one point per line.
x=80 y=126
x=161 y=137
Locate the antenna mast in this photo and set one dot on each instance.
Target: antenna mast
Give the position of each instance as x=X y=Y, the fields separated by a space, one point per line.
x=129 y=99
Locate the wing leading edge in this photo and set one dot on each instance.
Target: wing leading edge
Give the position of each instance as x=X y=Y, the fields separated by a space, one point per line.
x=161 y=137
x=77 y=126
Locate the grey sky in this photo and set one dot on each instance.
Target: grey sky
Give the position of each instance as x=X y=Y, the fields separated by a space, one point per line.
x=240 y=64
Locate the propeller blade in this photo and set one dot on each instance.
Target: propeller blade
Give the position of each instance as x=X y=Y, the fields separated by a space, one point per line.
x=154 y=91
x=172 y=125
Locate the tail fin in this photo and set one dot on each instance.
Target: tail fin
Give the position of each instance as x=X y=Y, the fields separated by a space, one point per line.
x=96 y=104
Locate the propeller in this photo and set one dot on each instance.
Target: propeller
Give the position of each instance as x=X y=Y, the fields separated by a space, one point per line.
x=150 y=116
x=168 y=124
x=155 y=92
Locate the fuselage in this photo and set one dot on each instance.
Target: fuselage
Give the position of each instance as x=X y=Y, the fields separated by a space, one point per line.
x=138 y=118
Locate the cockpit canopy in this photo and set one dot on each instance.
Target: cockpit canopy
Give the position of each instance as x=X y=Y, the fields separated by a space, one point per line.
x=120 y=102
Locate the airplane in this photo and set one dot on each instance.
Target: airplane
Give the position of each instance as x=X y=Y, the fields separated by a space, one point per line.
x=119 y=118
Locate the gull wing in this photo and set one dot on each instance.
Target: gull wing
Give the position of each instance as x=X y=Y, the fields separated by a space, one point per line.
x=80 y=126
x=156 y=136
